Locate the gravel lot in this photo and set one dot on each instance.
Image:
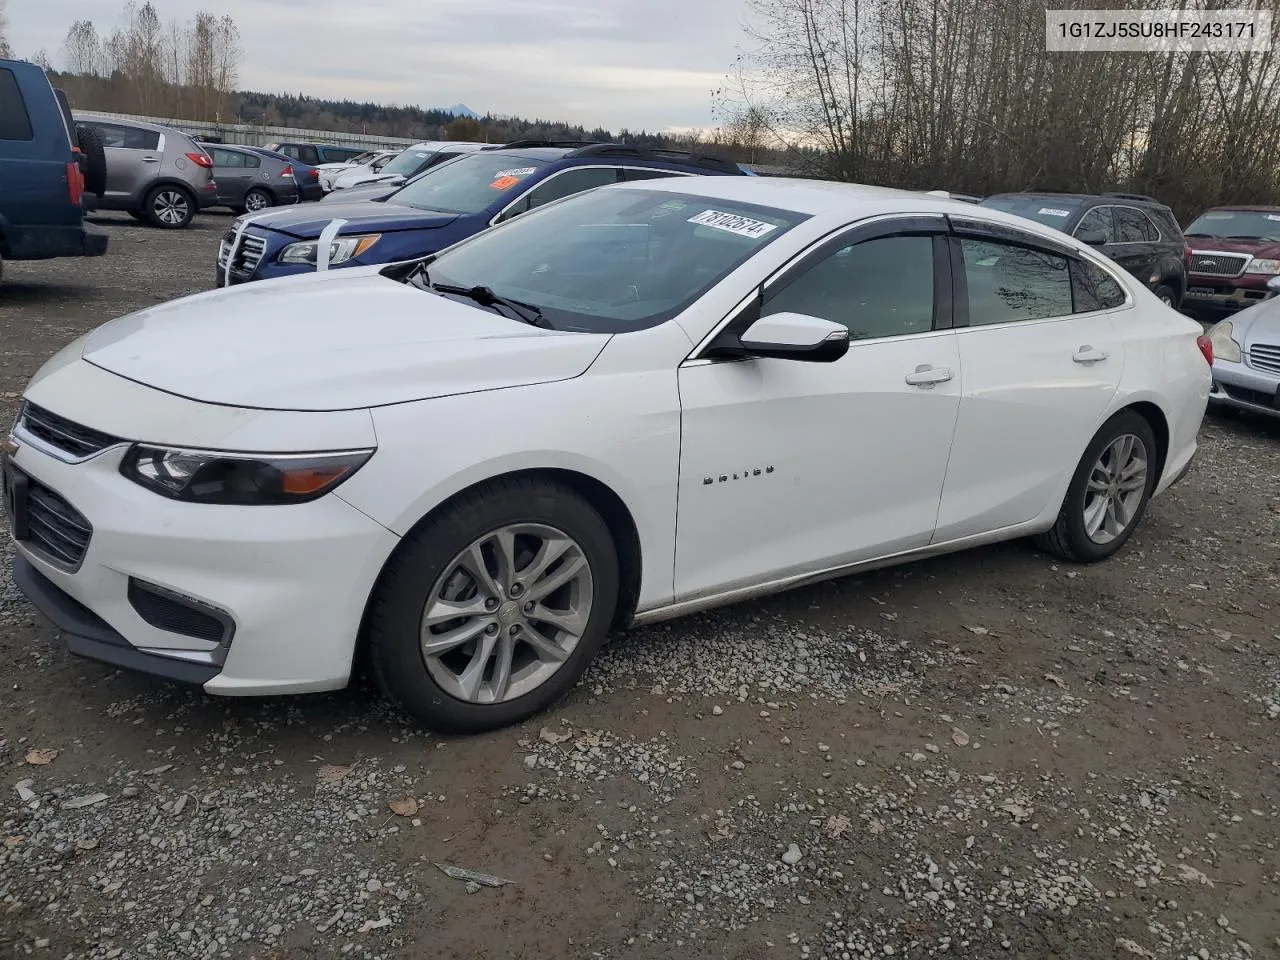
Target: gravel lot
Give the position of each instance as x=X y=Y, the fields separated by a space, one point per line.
x=986 y=755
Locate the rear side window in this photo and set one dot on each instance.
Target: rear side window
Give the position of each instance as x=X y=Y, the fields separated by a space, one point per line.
x=1134 y=226
x=1009 y=283
x=1092 y=288
x=15 y=123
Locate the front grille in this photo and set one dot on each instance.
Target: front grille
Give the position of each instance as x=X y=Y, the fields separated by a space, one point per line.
x=247 y=256
x=73 y=439
x=176 y=614
x=55 y=527
x=1219 y=264
x=1265 y=356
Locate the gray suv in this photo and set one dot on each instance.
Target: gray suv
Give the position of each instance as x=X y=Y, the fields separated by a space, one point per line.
x=158 y=174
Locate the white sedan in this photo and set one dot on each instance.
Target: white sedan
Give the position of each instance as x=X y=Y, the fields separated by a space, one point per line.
x=634 y=403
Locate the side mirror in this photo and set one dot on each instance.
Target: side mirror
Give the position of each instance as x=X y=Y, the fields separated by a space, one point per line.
x=1274 y=284
x=796 y=336
x=1094 y=238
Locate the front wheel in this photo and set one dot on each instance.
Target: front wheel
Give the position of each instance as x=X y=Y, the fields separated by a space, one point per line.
x=1167 y=295
x=169 y=207
x=1109 y=491
x=492 y=610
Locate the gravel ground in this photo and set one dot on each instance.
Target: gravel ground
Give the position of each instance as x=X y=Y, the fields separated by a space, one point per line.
x=985 y=755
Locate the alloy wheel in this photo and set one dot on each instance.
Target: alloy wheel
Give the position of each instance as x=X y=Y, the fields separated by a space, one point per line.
x=171 y=207
x=256 y=200
x=1116 y=488
x=506 y=614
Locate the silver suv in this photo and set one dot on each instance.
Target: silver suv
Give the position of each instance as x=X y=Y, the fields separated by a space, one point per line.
x=158 y=174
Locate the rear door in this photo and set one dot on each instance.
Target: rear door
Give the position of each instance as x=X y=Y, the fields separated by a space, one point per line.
x=231 y=175
x=1042 y=359
x=133 y=158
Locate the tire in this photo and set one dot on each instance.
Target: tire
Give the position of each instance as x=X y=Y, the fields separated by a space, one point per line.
x=429 y=568
x=257 y=200
x=95 y=175
x=169 y=207
x=1069 y=537
x=1168 y=294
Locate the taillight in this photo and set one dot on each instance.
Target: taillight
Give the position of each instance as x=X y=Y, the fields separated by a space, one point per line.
x=1206 y=347
x=75 y=183
x=287 y=171
x=201 y=160
x=313 y=174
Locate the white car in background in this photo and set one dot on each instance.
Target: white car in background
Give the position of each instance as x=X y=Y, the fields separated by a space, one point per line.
x=373 y=160
x=407 y=165
x=633 y=403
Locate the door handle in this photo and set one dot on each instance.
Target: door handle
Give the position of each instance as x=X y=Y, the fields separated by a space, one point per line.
x=926 y=376
x=1088 y=354
x=150 y=159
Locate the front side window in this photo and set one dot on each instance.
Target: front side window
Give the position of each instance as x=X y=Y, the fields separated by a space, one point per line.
x=877 y=288
x=1097 y=220
x=612 y=261
x=470 y=184
x=560 y=185
x=1008 y=282
x=127 y=138
x=228 y=158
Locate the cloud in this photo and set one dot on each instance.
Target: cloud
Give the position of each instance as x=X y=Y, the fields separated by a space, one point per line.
x=612 y=63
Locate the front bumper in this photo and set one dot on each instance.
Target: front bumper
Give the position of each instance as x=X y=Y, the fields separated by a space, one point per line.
x=1225 y=296
x=1244 y=388
x=291 y=581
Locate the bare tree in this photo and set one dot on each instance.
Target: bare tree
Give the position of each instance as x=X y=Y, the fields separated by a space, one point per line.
x=5 y=49
x=82 y=51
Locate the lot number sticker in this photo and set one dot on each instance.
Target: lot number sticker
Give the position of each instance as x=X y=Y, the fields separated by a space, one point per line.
x=732 y=223
x=1054 y=212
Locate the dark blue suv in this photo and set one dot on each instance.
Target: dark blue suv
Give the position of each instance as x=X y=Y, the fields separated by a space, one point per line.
x=450 y=203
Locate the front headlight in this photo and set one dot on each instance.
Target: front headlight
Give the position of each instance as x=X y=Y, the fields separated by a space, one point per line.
x=1224 y=348
x=341 y=249
x=1268 y=267
x=244 y=479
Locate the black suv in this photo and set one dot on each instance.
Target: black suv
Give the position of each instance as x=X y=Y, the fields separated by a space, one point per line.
x=1138 y=232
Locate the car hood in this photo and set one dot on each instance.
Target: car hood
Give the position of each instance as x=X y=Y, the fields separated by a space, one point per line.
x=306 y=221
x=331 y=342
x=354 y=178
x=1265 y=249
x=370 y=191
x=1257 y=324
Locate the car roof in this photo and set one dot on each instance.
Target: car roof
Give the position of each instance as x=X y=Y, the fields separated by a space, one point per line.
x=1246 y=208
x=1103 y=199
x=121 y=122
x=445 y=145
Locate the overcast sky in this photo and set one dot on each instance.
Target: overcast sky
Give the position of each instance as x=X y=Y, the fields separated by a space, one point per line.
x=612 y=63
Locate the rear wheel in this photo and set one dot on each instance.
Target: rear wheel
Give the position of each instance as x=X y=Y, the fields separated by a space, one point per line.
x=1109 y=492
x=169 y=207
x=258 y=199
x=491 y=611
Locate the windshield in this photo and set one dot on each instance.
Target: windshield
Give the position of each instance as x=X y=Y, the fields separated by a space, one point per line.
x=613 y=260
x=1051 y=211
x=1236 y=224
x=408 y=163
x=469 y=184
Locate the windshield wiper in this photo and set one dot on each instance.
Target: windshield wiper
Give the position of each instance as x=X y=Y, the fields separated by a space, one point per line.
x=526 y=312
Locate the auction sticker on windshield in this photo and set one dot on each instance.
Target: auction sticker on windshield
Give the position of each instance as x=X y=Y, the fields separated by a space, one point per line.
x=732 y=223
x=506 y=179
x=1054 y=212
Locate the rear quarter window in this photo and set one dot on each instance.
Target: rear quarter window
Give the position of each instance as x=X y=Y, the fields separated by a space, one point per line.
x=15 y=122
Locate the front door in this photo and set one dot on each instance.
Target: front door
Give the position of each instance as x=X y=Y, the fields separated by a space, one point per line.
x=789 y=467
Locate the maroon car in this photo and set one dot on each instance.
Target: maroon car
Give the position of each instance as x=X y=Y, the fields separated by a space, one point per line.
x=1234 y=252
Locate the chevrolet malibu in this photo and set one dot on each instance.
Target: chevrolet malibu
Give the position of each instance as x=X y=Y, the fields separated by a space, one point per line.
x=632 y=404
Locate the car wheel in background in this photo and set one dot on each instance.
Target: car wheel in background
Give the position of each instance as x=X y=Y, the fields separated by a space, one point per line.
x=1108 y=493
x=1167 y=295
x=491 y=609
x=169 y=207
x=256 y=200
x=95 y=174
